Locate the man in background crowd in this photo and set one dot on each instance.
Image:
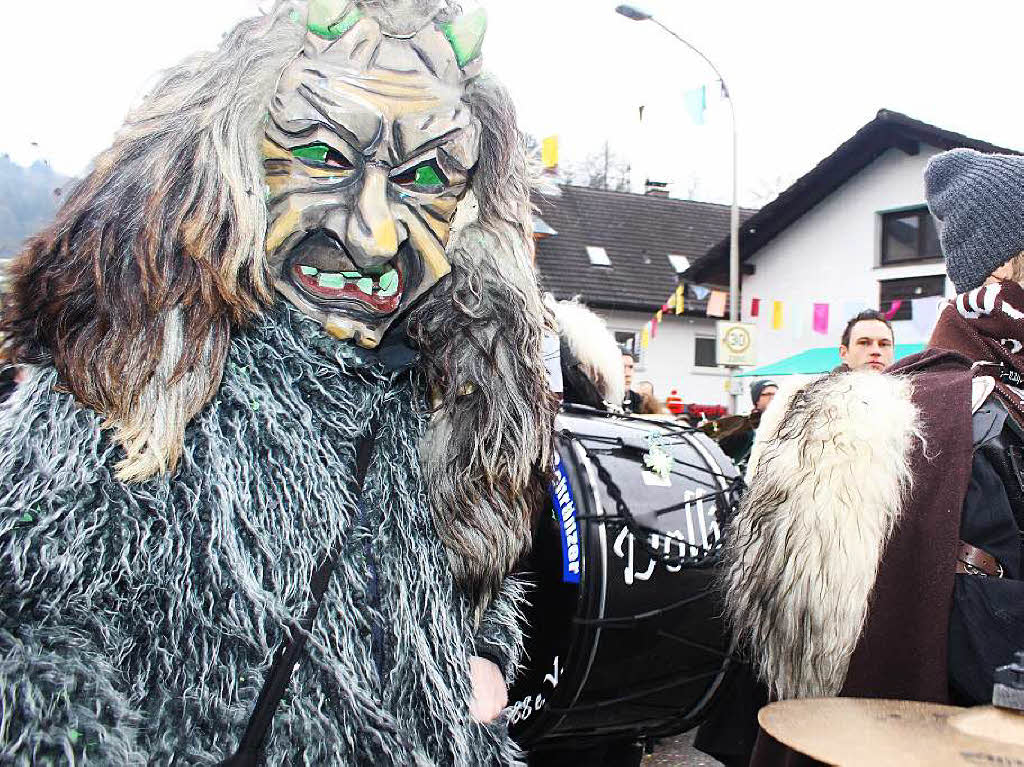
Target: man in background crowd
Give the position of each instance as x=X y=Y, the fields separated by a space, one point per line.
x=761 y=393
x=649 y=402
x=632 y=401
x=735 y=434
x=867 y=343
x=644 y=388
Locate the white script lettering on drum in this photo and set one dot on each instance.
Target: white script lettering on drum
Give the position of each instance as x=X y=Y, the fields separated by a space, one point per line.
x=701 y=530
x=629 y=573
x=523 y=709
x=552 y=678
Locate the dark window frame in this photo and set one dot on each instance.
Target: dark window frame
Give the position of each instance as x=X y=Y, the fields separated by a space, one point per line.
x=697 y=356
x=903 y=288
x=628 y=342
x=925 y=226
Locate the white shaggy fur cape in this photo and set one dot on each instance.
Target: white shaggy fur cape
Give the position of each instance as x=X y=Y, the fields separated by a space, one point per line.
x=829 y=476
x=593 y=345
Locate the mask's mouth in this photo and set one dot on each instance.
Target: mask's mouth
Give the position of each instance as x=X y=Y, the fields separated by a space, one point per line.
x=324 y=274
x=382 y=293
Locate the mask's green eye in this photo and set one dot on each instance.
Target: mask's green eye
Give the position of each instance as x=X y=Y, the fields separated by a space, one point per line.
x=425 y=177
x=322 y=155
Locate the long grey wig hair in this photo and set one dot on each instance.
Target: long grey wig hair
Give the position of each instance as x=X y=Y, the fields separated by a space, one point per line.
x=158 y=254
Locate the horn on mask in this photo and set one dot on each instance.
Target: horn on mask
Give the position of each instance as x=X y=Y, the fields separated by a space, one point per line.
x=466 y=35
x=331 y=19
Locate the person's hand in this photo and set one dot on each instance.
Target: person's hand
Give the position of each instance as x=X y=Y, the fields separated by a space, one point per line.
x=490 y=695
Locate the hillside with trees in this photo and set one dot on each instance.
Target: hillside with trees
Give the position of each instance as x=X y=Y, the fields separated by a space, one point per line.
x=28 y=201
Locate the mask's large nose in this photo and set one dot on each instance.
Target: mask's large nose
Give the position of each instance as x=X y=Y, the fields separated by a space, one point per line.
x=372 y=233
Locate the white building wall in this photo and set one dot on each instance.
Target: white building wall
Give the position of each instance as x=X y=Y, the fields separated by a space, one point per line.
x=831 y=255
x=668 y=361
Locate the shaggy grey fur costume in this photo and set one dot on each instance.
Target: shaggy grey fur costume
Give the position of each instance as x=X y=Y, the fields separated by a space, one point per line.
x=139 y=620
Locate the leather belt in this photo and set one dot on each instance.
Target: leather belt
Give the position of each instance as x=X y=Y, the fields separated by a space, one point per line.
x=970 y=560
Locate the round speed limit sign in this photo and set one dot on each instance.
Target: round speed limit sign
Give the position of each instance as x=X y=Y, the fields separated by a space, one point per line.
x=736 y=344
x=737 y=340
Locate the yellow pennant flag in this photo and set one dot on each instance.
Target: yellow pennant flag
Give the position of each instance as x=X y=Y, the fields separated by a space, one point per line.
x=679 y=300
x=660 y=313
x=645 y=337
x=776 y=315
x=549 y=152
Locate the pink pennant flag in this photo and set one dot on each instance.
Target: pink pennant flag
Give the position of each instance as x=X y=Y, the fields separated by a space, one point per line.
x=895 y=307
x=716 y=303
x=821 y=319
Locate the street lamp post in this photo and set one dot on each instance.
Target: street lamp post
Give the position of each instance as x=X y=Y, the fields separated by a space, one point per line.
x=634 y=13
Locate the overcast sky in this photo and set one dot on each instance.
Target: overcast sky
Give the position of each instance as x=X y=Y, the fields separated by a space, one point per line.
x=804 y=75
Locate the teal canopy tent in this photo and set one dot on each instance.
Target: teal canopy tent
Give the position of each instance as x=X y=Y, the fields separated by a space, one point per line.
x=814 y=361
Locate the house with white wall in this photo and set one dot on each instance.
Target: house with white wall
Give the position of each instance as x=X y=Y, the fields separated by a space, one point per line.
x=852 y=233
x=622 y=254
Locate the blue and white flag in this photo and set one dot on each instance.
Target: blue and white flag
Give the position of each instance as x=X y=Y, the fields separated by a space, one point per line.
x=696 y=103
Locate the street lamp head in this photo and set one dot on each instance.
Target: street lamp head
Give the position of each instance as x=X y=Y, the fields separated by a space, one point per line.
x=632 y=12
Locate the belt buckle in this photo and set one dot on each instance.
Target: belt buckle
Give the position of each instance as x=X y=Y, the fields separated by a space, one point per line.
x=975 y=570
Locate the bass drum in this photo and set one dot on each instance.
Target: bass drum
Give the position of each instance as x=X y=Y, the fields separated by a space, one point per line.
x=624 y=635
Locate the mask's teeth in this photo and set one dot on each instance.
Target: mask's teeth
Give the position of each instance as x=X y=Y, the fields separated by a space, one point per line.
x=366 y=285
x=330 y=280
x=309 y=271
x=388 y=284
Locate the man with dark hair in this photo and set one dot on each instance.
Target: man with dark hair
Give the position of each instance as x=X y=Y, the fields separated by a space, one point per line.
x=867 y=343
x=631 y=402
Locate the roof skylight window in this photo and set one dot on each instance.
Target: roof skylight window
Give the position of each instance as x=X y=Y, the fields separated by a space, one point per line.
x=679 y=263
x=598 y=256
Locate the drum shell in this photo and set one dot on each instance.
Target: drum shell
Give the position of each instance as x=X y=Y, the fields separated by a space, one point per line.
x=636 y=647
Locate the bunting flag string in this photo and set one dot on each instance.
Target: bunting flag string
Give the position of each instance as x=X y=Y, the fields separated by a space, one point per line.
x=802 y=320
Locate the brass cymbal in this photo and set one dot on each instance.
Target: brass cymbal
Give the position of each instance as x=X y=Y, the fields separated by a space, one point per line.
x=855 y=731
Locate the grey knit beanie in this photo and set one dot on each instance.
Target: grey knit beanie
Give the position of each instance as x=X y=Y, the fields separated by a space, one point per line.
x=979 y=202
